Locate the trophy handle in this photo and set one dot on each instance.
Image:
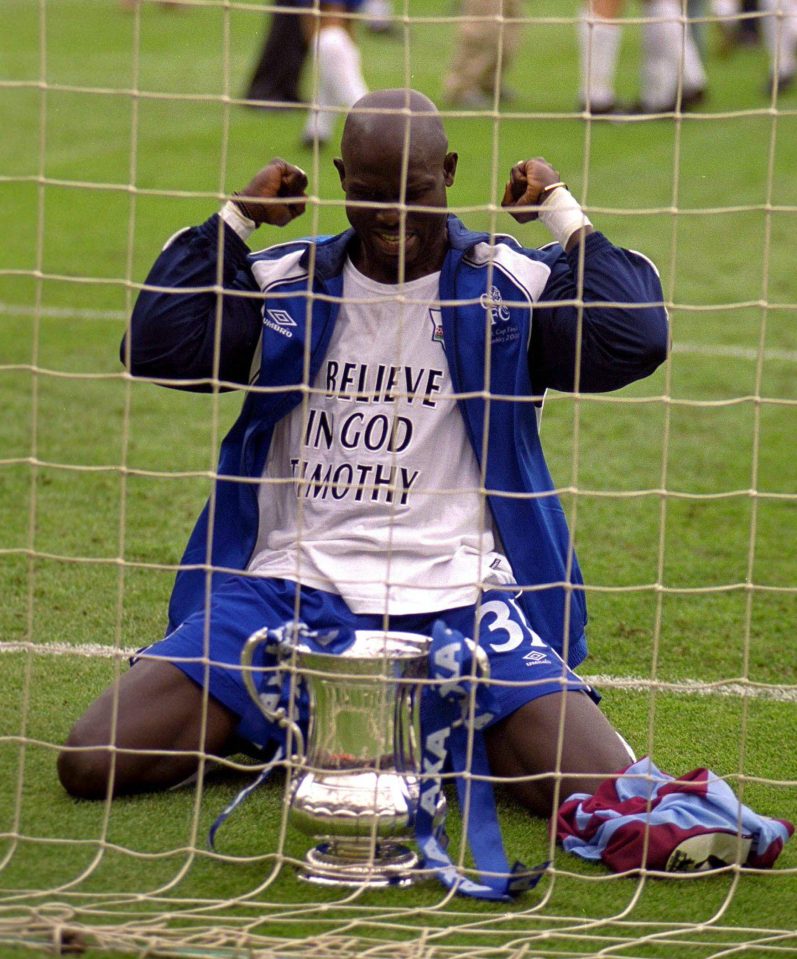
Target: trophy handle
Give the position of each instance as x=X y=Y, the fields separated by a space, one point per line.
x=278 y=716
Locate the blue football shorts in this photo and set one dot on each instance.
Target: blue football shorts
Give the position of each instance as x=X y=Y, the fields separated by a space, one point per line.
x=523 y=666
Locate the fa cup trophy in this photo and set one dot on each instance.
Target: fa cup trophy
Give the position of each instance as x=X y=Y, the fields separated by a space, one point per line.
x=355 y=783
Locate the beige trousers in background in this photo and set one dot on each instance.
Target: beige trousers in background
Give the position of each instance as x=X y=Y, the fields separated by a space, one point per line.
x=480 y=46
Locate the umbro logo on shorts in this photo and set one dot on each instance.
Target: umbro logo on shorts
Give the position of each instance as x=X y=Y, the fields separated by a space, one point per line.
x=535 y=657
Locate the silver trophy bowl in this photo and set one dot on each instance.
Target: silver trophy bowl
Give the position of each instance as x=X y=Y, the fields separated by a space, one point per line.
x=355 y=783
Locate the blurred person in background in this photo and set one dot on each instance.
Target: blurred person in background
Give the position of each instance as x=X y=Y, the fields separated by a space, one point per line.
x=778 y=28
x=779 y=32
x=337 y=77
x=485 y=46
x=672 y=78
x=275 y=80
x=378 y=16
x=745 y=32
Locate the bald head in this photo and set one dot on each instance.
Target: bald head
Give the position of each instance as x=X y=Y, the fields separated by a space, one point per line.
x=395 y=121
x=395 y=171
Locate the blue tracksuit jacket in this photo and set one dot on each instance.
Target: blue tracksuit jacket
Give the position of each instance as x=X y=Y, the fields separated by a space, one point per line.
x=512 y=328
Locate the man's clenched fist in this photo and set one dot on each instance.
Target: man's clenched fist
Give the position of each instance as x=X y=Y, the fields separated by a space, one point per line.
x=527 y=180
x=278 y=180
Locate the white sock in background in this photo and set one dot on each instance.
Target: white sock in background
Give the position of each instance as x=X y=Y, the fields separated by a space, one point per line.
x=340 y=81
x=378 y=14
x=599 y=45
x=695 y=78
x=726 y=8
x=668 y=51
x=780 y=36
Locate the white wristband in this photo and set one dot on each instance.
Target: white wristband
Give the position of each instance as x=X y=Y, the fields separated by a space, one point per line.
x=562 y=214
x=232 y=216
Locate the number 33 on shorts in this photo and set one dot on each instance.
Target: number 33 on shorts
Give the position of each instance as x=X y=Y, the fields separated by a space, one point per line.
x=523 y=666
x=503 y=628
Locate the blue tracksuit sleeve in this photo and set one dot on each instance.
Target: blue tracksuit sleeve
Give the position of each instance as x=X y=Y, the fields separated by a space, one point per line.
x=174 y=329
x=619 y=335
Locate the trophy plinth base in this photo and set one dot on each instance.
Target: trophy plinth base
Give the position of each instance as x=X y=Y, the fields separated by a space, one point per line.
x=346 y=864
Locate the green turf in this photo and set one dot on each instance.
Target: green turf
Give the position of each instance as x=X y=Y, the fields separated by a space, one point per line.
x=116 y=134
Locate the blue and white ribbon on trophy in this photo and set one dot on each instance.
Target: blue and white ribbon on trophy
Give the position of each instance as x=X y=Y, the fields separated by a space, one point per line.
x=451 y=730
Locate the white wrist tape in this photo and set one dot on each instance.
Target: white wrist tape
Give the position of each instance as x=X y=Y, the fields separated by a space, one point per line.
x=562 y=214
x=232 y=216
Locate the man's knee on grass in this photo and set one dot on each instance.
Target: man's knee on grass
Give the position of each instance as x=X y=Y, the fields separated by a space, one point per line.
x=540 y=771
x=146 y=733
x=84 y=774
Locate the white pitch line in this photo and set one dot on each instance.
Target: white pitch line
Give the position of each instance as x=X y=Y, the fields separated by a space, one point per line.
x=636 y=684
x=734 y=352
x=694 y=687
x=62 y=312
x=702 y=349
x=697 y=349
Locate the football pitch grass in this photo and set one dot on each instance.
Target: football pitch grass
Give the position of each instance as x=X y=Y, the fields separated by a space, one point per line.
x=119 y=130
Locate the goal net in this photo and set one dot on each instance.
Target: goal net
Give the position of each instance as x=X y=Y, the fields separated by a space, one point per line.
x=126 y=122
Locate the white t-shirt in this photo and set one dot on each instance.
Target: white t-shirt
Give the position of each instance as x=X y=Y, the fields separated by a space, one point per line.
x=371 y=489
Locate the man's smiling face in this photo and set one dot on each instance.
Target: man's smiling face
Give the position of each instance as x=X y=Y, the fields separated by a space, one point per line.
x=397 y=207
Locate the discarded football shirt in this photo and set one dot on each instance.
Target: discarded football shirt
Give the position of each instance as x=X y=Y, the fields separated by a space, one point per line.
x=645 y=817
